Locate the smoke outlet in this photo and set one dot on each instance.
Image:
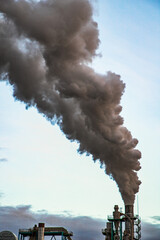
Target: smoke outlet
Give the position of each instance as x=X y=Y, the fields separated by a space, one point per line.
x=129 y=223
x=41 y=231
x=129 y=210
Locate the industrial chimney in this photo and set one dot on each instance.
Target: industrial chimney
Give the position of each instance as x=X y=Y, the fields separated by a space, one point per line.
x=124 y=226
x=129 y=223
x=41 y=231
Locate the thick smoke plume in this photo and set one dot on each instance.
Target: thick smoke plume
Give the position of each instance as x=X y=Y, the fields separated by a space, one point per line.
x=44 y=50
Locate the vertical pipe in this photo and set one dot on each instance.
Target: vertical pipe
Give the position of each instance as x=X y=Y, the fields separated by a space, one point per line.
x=129 y=224
x=120 y=230
x=41 y=231
x=109 y=229
x=137 y=206
x=112 y=232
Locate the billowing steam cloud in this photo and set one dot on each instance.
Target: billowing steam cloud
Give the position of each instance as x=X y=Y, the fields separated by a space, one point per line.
x=44 y=50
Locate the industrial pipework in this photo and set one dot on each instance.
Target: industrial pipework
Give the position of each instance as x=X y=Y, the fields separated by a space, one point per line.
x=123 y=226
x=38 y=233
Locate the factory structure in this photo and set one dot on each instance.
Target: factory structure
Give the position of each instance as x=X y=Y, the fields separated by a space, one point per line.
x=38 y=233
x=123 y=226
x=120 y=226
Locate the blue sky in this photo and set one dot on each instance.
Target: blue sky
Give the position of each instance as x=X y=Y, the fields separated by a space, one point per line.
x=44 y=169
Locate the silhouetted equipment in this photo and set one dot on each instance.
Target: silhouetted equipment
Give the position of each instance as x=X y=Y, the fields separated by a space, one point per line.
x=120 y=226
x=38 y=233
x=123 y=226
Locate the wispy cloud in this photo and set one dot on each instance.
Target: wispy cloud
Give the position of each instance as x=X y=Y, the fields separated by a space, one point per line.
x=1 y=194
x=3 y=148
x=84 y=228
x=3 y=159
x=156 y=218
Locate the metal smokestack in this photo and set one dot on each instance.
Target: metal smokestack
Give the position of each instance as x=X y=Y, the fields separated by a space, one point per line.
x=129 y=223
x=41 y=231
x=120 y=220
